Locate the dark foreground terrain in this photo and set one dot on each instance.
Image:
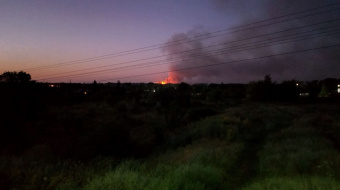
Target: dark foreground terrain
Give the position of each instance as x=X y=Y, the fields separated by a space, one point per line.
x=165 y=137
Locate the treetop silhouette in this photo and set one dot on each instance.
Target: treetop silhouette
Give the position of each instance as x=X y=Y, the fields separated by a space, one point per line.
x=15 y=77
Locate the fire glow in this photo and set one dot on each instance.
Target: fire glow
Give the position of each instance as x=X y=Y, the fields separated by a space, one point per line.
x=169 y=80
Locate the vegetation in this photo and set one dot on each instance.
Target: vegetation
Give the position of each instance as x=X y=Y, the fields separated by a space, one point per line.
x=151 y=136
x=303 y=183
x=15 y=77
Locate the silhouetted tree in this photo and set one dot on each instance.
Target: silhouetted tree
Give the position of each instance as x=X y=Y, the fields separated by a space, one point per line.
x=15 y=77
x=262 y=90
x=325 y=92
x=329 y=87
x=267 y=80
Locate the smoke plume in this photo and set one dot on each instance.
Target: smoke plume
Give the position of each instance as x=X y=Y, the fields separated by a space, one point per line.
x=197 y=50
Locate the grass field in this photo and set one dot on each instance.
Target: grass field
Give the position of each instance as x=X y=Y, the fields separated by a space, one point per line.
x=249 y=146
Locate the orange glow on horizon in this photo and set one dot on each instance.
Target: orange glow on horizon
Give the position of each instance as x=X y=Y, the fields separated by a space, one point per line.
x=170 y=79
x=162 y=82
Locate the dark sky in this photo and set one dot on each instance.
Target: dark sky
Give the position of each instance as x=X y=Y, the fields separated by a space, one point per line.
x=39 y=37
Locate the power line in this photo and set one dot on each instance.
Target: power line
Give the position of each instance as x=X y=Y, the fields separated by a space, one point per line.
x=223 y=63
x=147 y=48
x=217 y=52
x=188 y=51
x=173 y=44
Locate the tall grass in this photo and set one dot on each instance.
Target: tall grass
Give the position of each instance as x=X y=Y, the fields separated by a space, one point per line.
x=272 y=146
x=23 y=173
x=295 y=183
x=209 y=128
x=188 y=177
x=299 y=149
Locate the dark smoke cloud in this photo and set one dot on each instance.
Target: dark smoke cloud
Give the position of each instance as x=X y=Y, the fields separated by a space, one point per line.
x=305 y=66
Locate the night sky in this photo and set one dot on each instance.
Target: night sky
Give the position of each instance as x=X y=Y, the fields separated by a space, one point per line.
x=77 y=40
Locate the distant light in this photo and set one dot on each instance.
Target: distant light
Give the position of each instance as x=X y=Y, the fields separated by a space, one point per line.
x=51 y=85
x=338 y=88
x=306 y=94
x=297 y=84
x=154 y=90
x=85 y=93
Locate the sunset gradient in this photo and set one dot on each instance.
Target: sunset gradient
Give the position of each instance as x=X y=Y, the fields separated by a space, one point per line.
x=35 y=35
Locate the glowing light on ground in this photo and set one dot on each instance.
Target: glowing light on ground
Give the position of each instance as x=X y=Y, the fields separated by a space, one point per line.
x=170 y=79
x=162 y=82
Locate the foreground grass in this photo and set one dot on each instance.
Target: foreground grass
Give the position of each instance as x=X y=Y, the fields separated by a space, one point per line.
x=247 y=147
x=193 y=176
x=295 y=183
x=244 y=144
